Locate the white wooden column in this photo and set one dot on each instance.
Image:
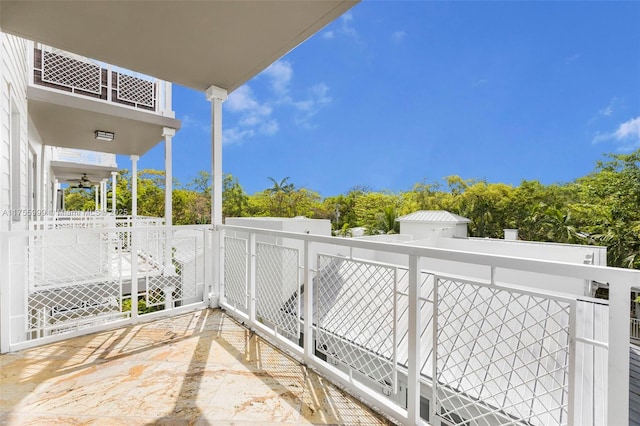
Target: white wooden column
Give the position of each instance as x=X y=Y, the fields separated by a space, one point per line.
x=97 y=199
x=216 y=96
x=56 y=185
x=103 y=195
x=134 y=185
x=113 y=192
x=42 y=183
x=168 y=135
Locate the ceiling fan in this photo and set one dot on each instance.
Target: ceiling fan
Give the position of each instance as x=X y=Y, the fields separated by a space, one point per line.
x=83 y=182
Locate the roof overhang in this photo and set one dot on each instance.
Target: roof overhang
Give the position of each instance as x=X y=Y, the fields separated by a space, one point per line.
x=71 y=122
x=193 y=43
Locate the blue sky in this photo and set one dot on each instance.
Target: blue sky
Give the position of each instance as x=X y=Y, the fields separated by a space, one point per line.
x=395 y=93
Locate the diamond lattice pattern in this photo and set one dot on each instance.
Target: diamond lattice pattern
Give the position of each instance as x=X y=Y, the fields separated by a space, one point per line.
x=70 y=72
x=75 y=306
x=136 y=90
x=235 y=271
x=181 y=280
x=507 y=350
x=277 y=287
x=354 y=310
x=61 y=259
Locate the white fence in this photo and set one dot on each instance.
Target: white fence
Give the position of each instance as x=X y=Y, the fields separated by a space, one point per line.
x=61 y=282
x=429 y=346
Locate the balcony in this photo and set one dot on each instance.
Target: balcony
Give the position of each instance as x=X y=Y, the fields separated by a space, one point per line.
x=200 y=367
x=84 y=157
x=67 y=72
x=421 y=334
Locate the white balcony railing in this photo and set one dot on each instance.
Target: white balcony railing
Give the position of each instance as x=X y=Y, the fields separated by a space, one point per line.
x=81 y=156
x=414 y=333
x=421 y=334
x=61 y=282
x=68 y=72
x=635 y=329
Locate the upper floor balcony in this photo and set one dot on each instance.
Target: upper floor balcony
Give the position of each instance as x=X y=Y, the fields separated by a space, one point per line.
x=81 y=156
x=64 y=71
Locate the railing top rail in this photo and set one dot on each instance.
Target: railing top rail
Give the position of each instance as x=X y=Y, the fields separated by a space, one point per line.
x=618 y=276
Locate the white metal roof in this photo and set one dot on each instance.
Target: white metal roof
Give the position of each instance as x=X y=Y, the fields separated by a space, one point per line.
x=433 y=216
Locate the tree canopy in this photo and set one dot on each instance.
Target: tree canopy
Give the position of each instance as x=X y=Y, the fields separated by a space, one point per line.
x=599 y=208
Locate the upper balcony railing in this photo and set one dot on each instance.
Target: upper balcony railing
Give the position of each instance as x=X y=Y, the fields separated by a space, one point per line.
x=65 y=71
x=82 y=156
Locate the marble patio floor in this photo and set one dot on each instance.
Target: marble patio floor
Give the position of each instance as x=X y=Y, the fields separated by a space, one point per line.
x=200 y=368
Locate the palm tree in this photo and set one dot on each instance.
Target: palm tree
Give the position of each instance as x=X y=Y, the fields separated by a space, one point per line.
x=279 y=192
x=281 y=186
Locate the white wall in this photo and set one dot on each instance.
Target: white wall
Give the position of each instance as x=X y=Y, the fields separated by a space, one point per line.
x=422 y=230
x=13 y=100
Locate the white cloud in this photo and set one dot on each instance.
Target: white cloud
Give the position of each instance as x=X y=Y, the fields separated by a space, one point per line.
x=627 y=135
x=242 y=99
x=255 y=117
x=270 y=128
x=571 y=58
x=236 y=135
x=188 y=122
x=280 y=73
x=398 y=36
x=345 y=24
x=343 y=27
x=317 y=97
x=629 y=130
x=608 y=110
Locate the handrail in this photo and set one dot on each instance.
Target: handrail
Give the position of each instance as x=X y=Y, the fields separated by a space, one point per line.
x=244 y=257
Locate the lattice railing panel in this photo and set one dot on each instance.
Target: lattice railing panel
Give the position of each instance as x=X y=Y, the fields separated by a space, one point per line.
x=181 y=278
x=77 y=306
x=188 y=260
x=355 y=314
x=61 y=259
x=70 y=72
x=136 y=90
x=502 y=356
x=235 y=271
x=277 y=287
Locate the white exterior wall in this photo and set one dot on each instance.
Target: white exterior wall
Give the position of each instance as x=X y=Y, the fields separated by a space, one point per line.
x=295 y=224
x=567 y=253
x=13 y=100
x=14 y=166
x=423 y=230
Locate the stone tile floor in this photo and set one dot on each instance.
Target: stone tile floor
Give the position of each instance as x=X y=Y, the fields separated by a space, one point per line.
x=200 y=368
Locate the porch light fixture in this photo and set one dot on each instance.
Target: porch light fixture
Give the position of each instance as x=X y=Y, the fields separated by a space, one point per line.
x=101 y=135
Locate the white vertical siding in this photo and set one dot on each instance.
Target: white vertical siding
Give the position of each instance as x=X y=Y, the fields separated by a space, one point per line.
x=13 y=89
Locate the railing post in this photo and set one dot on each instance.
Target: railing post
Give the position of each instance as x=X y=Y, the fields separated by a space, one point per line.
x=413 y=379
x=109 y=83
x=308 y=304
x=135 y=238
x=618 y=364
x=5 y=294
x=251 y=276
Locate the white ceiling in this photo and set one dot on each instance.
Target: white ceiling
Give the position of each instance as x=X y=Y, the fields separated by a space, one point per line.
x=193 y=43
